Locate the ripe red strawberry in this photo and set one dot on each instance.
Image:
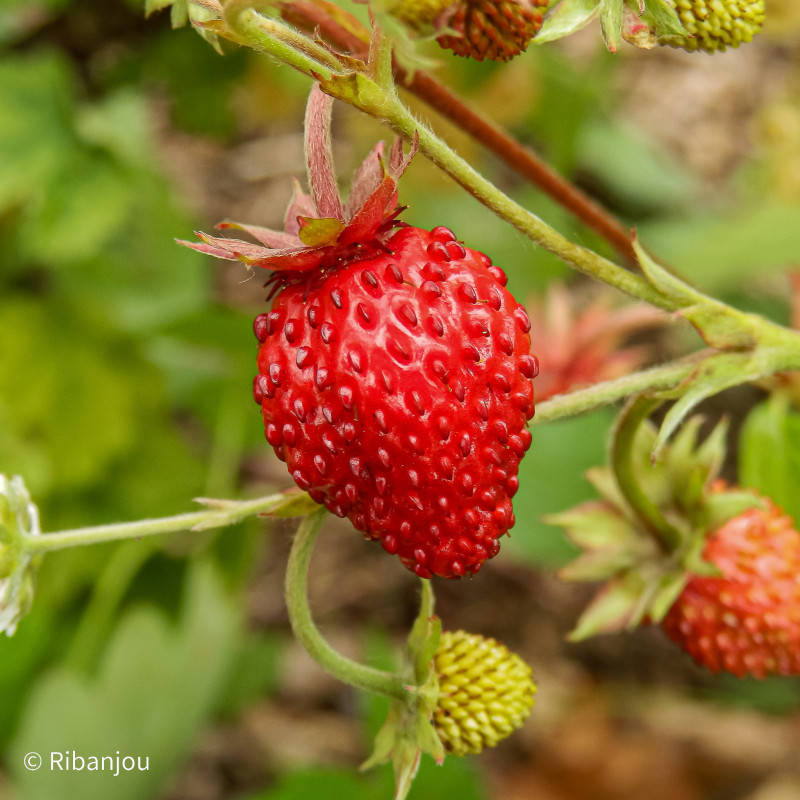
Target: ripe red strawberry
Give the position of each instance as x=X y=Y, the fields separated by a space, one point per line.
x=748 y=619
x=394 y=367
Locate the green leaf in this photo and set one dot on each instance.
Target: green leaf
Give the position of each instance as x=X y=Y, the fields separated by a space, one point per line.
x=72 y=397
x=566 y=18
x=769 y=453
x=331 y=784
x=88 y=203
x=156 y=686
x=36 y=139
x=724 y=249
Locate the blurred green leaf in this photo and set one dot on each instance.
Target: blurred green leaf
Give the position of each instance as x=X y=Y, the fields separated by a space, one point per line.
x=720 y=251
x=156 y=686
x=633 y=170
x=551 y=480
x=255 y=673
x=35 y=123
x=332 y=784
x=87 y=202
x=769 y=453
x=68 y=392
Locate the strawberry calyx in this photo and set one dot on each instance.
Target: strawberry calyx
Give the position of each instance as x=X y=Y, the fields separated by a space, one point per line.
x=643 y=577
x=321 y=231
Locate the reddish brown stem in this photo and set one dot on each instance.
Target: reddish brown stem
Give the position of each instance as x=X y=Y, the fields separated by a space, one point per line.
x=311 y=15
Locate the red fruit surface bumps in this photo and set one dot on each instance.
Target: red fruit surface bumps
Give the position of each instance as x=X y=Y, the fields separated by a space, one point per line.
x=397 y=388
x=748 y=620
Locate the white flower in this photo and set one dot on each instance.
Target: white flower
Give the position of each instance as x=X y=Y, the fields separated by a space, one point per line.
x=19 y=518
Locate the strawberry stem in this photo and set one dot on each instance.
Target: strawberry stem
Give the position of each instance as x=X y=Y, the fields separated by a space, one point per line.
x=219 y=514
x=623 y=463
x=667 y=376
x=307 y=633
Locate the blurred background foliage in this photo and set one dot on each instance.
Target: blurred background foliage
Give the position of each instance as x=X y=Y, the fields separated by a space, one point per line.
x=125 y=372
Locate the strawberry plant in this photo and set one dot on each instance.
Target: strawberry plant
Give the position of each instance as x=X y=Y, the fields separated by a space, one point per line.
x=401 y=384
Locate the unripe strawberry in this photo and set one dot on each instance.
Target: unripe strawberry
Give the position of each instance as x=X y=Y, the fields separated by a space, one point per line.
x=394 y=369
x=485 y=692
x=717 y=24
x=746 y=620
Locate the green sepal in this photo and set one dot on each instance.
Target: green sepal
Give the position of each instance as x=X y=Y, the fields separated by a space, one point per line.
x=612 y=608
x=566 y=18
x=295 y=503
x=667 y=591
x=594 y=526
x=597 y=565
x=319 y=232
x=713 y=376
x=663 y=18
x=719 y=507
x=290 y=503
x=643 y=578
x=611 y=22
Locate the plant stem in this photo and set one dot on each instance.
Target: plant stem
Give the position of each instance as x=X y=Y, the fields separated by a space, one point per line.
x=444 y=101
x=622 y=462
x=524 y=161
x=659 y=378
x=397 y=117
x=381 y=101
x=220 y=514
x=307 y=633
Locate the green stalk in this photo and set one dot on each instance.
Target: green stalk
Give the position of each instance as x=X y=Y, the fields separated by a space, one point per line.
x=221 y=514
x=381 y=101
x=307 y=633
x=660 y=378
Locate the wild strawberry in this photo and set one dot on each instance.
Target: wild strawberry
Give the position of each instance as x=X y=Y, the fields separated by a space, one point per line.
x=494 y=30
x=717 y=24
x=485 y=692
x=477 y=29
x=394 y=366
x=746 y=620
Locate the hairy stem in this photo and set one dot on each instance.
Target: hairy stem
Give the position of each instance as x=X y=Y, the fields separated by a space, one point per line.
x=443 y=100
x=401 y=121
x=381 y=101
x=307 y=633
x=524 y=162
x=220 y=514
x=667 y=376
